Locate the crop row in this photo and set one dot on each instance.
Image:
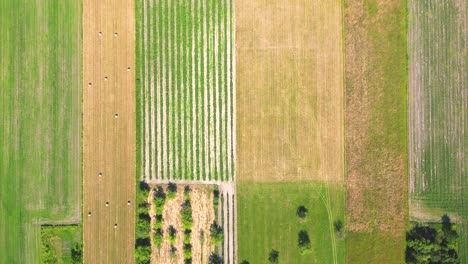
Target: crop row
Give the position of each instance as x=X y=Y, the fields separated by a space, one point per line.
x=185 y=87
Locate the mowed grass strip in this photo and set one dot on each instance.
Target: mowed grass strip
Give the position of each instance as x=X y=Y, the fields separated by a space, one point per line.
x=376 y=131
x=181 y=54
x=267 y=220
x=437 y=112
x=40 y=113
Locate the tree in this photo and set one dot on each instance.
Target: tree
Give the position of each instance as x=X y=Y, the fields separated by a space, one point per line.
x=158 y=237
x=216 y=233
x=187 y=251
x=215 y=259
x=304 y=243
x=187 y=191
x=245 y=262
x=186 y=215
x=302 y=212
x=77 y=253
x=172 y=232
x=173 y=251
x=171 y=190
x=274 y=256
x=338 y=224
x=142 y=254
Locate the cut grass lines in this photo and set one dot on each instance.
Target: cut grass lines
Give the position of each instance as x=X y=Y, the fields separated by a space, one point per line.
x=185 y=103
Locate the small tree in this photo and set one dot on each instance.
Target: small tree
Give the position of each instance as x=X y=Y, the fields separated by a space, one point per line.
x=215 y=259
x=274 y=256
x=158 y=237
x=77 y=253
x=171 y=232
x=304 y=243
x=301 y=212
x=171 y=190
x=186 y=215
x=216 y=233
x=143 y=254
x=245 y=262
x=173 y=251
x=159 y=200
x=338 y=224
x=187 y=236
x=187 y=251
x=187 y=191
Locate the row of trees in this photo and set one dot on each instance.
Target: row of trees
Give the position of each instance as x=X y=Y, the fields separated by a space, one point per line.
x=187 y=222
x=432 y=243
x=143 y=226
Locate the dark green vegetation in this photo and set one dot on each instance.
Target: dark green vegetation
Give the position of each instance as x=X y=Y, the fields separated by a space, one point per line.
x=216 y=234
x=303 y=242
x=273 y=258
x=61 y=244
x=376 y=79
x=438 y=113
x=187 y=222
x=267 y=219
x=143 y=225
x=433 y=243
x=185 y=89
x=40 y=117
x=215 y=259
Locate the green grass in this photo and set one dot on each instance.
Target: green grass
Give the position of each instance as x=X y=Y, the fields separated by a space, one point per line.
x=60 y=241
x=437 y=56
x=267 y=220
x=40 y=113
x=378 y=247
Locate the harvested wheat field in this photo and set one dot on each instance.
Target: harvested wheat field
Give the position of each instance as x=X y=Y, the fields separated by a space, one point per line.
x=109 y=131
x=289 y=82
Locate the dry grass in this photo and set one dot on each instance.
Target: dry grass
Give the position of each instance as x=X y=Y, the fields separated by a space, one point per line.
x=109 y=142
x=289 y=90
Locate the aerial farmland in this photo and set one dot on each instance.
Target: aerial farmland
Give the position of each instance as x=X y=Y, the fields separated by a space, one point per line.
x=233 y=131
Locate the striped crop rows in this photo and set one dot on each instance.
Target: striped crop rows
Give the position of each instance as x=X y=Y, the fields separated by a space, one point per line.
x=186 y=89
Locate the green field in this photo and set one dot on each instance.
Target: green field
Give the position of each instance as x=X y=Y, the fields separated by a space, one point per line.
x=437 y=112
x=376 y=130
x=185 y=89
x=267 y=220
x=58 y=242
x=40 y=115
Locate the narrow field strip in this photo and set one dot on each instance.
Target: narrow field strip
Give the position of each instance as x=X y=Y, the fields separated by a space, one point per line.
x=187 y=90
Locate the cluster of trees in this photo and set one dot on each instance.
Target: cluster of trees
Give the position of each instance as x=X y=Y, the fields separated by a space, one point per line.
x=143 y=226
x=159 y=201
x=431 y=244
x=187 y=222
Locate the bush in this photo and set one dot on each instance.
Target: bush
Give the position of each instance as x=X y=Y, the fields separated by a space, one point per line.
x=158 y=237
x=338 y=224
x=216 y=233
x=301 y=212
x=173 y=252
x=186 y=215
x=187 y=236
x=171 y=232
x=77 y=253
x=216 y=199
x=143 y=226
x=159 y=200
x=304 y=243
x=158 y=222
x=245 y=262
x=143 y=254
x=187 y=251
x=187 y=193
x=274 y=256
x=215 y=259
x=171 y=190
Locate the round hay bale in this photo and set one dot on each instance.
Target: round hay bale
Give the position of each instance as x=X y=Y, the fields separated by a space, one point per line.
x=100 y=174
x=105 y=78
x=128 y=202
x=115 y=34
x=128 y=69
x=115 y=226
x=90 y=84
x=107 y=203
x=100 y=33
x=116 y=115
x=89 y=213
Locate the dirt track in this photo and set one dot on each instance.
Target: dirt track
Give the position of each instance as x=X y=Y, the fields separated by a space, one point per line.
x=109 y=141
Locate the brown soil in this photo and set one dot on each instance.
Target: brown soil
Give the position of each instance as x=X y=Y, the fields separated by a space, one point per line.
x=109 y=142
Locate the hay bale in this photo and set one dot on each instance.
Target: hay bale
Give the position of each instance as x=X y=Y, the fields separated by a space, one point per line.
x=90 y=84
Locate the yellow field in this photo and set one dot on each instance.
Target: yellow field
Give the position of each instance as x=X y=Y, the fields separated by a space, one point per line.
x=109 y=140
x=289 y=82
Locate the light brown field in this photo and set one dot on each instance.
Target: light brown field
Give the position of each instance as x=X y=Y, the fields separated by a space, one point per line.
x=109 y=142
x=289 y=81
x=203 y=215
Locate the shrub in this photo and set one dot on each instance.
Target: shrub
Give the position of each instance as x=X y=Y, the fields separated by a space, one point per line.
x=216 y=233
x=216 y=199
x=143 y=226
x=215 y=259
x=77 y=253
x=338 y=224
x=171 y=232
x=301 y=212
x=171 y=190
x=274 y=256
x=159 y=200
x=158 y=222
x=143 y=254
x=187 y=236
x=187 y=251
x=245 y=262
x=186 y=215
x=158 y=237
x=187 y=193
x=173 y=252
x=304 y=243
